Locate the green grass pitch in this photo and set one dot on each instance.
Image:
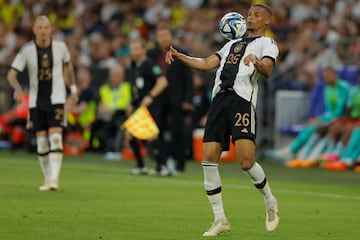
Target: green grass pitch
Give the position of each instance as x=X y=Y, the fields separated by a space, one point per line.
x=100 y=200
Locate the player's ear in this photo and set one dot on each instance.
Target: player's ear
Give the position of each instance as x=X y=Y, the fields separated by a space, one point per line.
x=267 y=20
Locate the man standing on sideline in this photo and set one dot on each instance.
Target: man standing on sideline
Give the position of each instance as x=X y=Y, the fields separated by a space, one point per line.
x=178 y=95
x=147 y=85
x=240 y=64
x=46 y=60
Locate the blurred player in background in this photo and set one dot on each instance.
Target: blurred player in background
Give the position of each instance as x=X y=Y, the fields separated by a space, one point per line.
x=240 y=64
x=46 y=60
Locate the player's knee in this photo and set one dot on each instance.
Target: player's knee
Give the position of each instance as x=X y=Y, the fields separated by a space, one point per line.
x=56 y=141
x=42 y=145
x=246 y=162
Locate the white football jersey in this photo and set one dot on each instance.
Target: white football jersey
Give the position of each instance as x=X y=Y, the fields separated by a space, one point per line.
x=233 y=73
x=47 y=69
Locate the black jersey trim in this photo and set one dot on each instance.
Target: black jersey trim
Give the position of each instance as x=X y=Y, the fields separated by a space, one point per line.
x=271 y=58
x=218 y=55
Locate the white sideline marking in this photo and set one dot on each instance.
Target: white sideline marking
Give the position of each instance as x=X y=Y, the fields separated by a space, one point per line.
x=287 y=191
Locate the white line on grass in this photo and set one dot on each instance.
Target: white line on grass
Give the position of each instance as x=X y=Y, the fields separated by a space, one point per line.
x=286 y=191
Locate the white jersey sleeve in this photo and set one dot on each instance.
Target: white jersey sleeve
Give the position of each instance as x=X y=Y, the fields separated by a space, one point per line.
x=66 y=56
x=19 y=62
x=270 y=49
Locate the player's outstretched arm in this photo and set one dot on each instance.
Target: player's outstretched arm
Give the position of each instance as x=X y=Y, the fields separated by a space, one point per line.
x=202 y=64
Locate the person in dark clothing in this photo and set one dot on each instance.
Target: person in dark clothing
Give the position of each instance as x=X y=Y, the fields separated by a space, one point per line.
x=178 y=95
x=197 y=117
x=147 y=85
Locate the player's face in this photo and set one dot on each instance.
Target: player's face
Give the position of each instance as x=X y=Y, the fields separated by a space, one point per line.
x=42 y=29
x=137 y=52
x=257 y=18
x=164 y=38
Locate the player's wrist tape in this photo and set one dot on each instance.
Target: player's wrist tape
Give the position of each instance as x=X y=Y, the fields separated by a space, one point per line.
x=73 y=88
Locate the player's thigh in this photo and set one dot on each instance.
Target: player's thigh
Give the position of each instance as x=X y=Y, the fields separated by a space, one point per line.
x=245 y=152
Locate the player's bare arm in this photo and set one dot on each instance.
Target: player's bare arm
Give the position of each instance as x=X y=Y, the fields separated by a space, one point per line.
x=202 y=64
x=14 y=83
x=160 y=85
x=70 y=76
x=263 y=66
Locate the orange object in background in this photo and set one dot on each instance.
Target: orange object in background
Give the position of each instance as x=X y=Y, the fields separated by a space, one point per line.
x=226 y=156
x=74 y=144
x=128 y=154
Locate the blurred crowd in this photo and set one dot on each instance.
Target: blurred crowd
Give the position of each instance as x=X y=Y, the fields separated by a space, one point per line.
x=310 y=34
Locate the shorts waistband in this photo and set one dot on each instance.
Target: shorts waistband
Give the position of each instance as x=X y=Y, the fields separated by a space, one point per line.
x=226 y=90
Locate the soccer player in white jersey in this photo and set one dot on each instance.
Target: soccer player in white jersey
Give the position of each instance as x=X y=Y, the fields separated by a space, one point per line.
x=240 y=63
x=46 y=60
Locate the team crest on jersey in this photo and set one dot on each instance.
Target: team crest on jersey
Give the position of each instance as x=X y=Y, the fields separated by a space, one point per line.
x=45 y=61
x=238 y=47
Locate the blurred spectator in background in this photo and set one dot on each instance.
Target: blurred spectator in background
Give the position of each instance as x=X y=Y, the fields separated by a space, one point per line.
x=114 y=98
x=178 y=95
x=343 y=138
x=81 y=116
x=196 y=118
x=13 y=124
x=346 y=152
x=335 y=96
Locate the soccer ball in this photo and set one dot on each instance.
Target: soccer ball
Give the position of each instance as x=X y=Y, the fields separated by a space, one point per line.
x=232 y=25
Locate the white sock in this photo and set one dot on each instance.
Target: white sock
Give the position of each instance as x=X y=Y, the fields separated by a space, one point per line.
x=43 y=156
x=55 y=156
x=55 y=160
x=212 y=183
x=257 y=175
x=45 y=167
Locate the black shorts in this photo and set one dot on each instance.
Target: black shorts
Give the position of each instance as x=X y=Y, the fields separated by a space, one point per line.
x=44 y=118
x=230 y=115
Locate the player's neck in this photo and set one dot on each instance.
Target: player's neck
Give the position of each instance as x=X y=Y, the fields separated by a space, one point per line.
x=43 y=43
x=255 y=33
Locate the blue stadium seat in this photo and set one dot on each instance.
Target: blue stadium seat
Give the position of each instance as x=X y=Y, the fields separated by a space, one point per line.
x=350 y=73
x=317 y=105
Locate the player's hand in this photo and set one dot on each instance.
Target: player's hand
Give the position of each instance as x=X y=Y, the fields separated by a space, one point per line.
x=73 y=99
x=18 y=95
x=170 y=54
x=251 y=58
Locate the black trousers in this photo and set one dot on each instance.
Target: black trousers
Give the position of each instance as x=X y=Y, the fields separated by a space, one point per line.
x=174 y=124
